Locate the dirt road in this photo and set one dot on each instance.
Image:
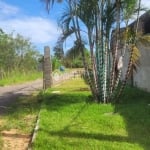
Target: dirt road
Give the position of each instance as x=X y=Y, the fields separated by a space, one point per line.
x=8 y=94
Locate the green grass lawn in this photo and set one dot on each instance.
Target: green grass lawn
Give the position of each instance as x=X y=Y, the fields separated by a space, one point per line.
x=69 y=120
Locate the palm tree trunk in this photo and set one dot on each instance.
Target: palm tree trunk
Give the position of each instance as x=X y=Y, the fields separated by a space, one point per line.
x=88 y=74
x=114 y=55
x=127 y=75
x=99 y=61
x=91 y=43
x=131 y=55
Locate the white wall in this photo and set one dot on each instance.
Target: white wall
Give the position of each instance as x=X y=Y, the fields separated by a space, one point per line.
x=142 y=77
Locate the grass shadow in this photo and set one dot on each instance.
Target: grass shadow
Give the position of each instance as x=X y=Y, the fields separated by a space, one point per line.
x=84 y=135
x=135 y=110
x=57 y=101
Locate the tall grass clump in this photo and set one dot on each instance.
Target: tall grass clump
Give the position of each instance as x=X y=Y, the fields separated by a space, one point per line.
x=17 y=76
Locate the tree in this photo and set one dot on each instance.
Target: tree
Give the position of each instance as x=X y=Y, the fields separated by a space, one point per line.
x=73 y=57
x=26 y=54
x=7 y=52
x=16 y=53
x=55 y=63
x=58 y=52
x=100 y=18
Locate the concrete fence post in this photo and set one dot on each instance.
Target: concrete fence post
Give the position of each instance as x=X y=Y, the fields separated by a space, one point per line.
x=47 y=69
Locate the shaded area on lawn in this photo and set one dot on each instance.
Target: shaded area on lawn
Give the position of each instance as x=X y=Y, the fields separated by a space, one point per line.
x=135 y=109
x=84 y=135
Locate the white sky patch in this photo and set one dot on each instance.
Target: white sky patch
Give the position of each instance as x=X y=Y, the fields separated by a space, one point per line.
x=39 y=30
x=146 y=3
x=7 y=10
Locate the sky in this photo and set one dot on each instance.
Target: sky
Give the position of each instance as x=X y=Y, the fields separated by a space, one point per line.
x=31 y=20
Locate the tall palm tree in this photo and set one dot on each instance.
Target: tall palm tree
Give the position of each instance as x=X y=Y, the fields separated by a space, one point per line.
x=99 y=18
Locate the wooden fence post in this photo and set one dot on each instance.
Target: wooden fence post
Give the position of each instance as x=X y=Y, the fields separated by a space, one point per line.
x=47 y=69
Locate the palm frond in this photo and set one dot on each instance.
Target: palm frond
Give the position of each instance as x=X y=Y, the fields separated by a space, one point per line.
x=145 y=40
x=65 y=19
x=65 y=35
x=50 y=3
x=136 y=54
